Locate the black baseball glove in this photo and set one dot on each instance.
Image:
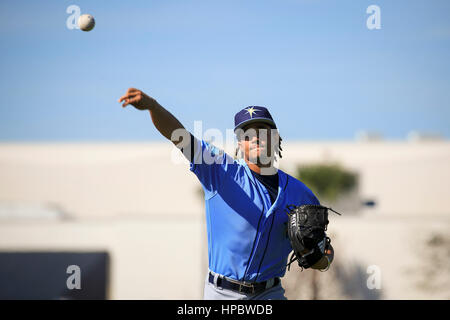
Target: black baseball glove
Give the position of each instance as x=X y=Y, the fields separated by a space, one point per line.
x=306 y=230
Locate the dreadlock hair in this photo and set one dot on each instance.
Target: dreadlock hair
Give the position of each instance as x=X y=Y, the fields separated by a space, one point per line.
x=278 y=147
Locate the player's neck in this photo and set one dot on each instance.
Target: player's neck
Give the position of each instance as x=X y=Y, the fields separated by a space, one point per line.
x=254 y=167
x=267 y=169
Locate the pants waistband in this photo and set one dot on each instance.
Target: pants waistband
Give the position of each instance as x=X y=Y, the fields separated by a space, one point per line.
x=242 y=286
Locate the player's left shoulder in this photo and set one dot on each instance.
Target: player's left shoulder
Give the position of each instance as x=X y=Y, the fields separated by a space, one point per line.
x=300 y=189
x=293 y=182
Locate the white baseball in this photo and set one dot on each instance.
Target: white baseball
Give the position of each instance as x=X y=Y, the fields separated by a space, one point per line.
x=86 y=22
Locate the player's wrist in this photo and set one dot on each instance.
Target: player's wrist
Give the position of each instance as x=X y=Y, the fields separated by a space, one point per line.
x=151 y=104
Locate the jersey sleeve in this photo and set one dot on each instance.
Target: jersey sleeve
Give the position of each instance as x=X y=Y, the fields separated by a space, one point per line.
x=314 y=199
x=208 y=163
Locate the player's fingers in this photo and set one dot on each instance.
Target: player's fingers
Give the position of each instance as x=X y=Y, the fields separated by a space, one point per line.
x=132 y=100
x=125 y=103
x=127 y=96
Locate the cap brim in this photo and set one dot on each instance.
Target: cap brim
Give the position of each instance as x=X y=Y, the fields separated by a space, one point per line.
x=263 y=120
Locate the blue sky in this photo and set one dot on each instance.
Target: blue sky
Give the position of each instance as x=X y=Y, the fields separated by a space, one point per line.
x=313 y=63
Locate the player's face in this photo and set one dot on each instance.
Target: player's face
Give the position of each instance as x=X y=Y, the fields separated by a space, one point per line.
x=256 y=143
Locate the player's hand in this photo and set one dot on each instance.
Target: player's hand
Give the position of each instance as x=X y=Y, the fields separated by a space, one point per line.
x=137 y=99
x=323 y=263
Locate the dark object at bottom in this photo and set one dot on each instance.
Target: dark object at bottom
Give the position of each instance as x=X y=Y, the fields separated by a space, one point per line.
x=44 y=275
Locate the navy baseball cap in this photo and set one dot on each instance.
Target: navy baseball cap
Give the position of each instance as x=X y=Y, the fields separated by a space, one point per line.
x=253 y=114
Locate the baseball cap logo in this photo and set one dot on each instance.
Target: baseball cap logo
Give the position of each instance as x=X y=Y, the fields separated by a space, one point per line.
x=251 y=110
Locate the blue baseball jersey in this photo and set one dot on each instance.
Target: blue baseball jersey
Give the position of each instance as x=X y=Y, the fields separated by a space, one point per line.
x=247 y=234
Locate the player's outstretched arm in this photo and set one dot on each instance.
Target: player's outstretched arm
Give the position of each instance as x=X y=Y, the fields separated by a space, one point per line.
x=163 y=120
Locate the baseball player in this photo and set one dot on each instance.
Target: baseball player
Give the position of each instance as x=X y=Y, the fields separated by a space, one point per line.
x=245 y=199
